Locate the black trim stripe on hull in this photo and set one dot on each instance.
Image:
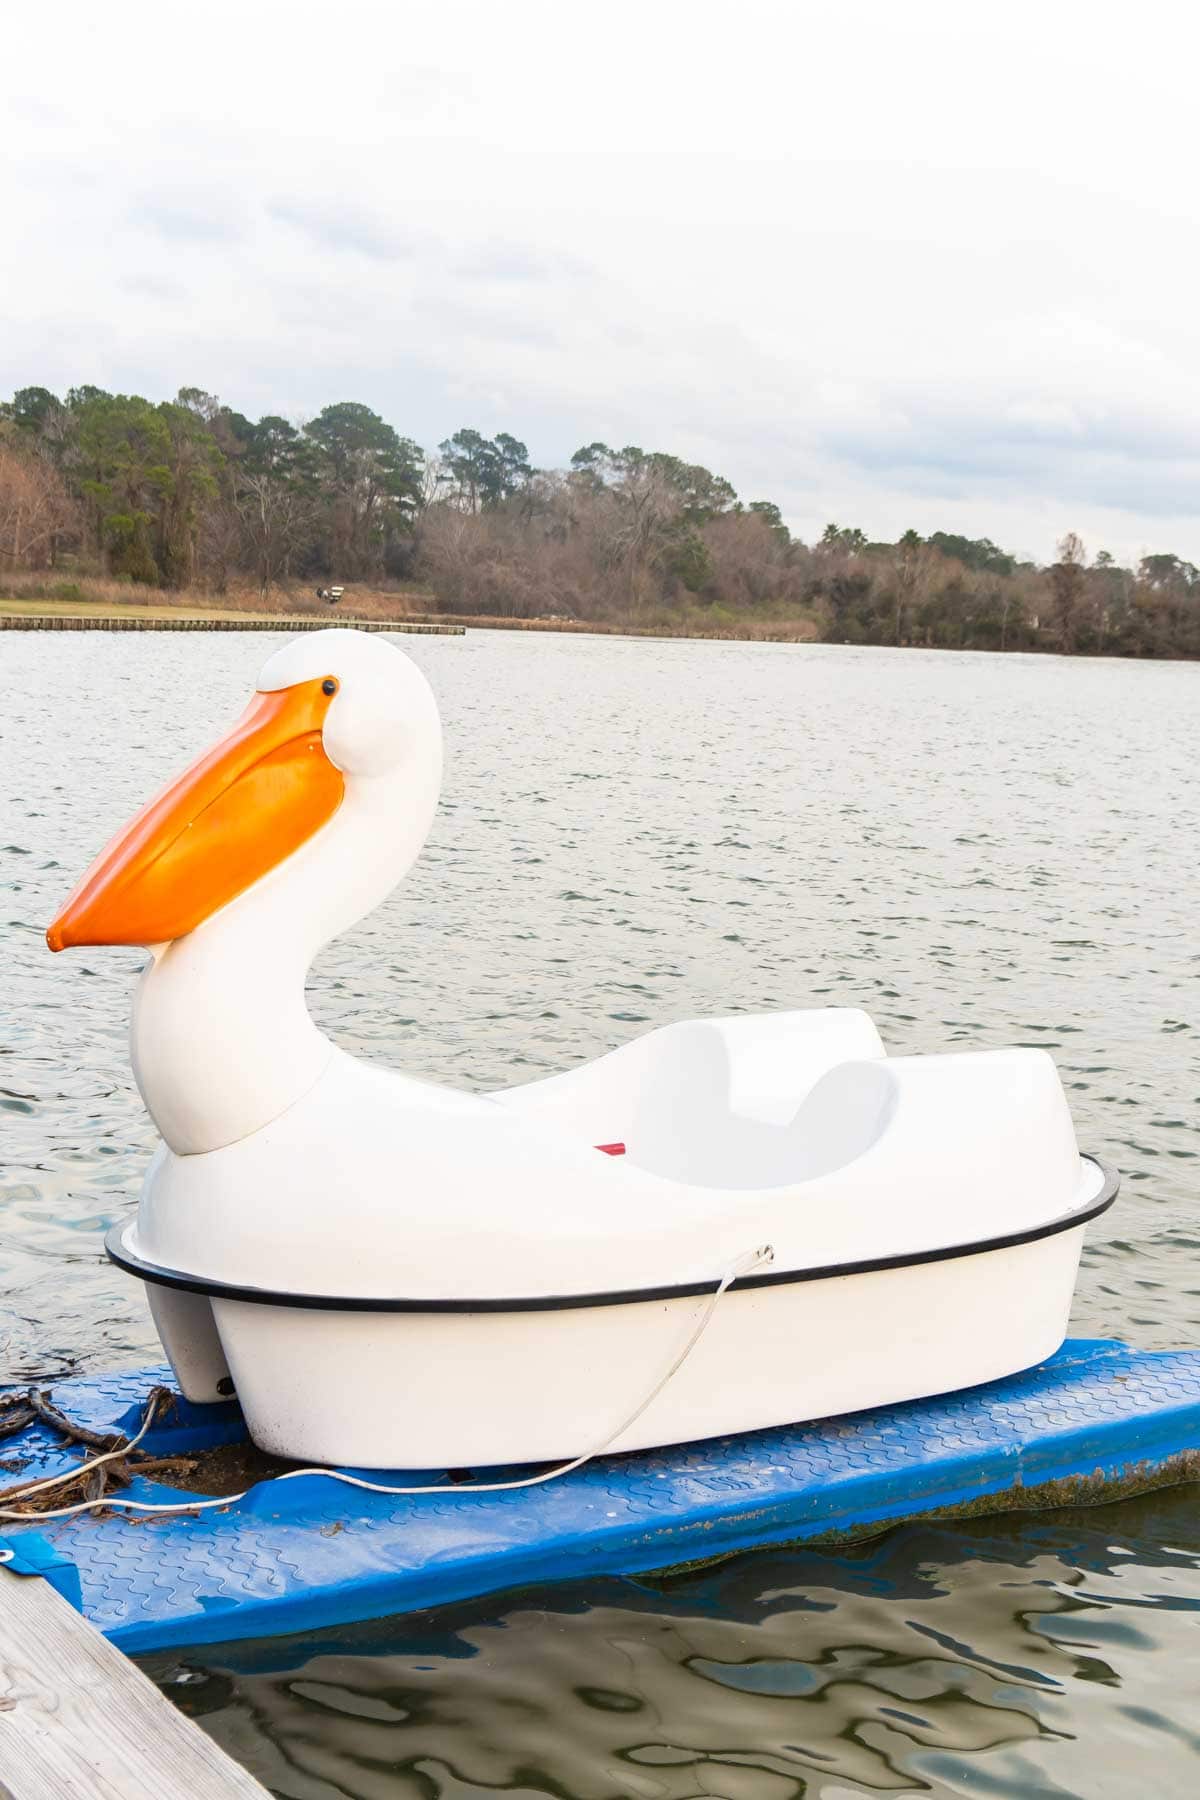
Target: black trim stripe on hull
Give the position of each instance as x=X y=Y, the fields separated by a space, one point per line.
x=374 y=1303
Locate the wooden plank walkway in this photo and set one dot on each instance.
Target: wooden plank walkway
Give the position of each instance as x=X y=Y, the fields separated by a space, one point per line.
x=78 y=1721
x=252 y=622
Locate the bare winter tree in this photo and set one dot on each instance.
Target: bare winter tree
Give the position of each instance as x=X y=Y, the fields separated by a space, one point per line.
x=916 y=573
x=220 y=541
x=273 y=517
x=1067 y=589
x=35 y=511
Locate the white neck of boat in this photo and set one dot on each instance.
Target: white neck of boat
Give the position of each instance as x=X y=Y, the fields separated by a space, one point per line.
x=222 y=1041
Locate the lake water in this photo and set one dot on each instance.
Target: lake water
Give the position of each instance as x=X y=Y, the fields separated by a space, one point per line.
x=980 y=850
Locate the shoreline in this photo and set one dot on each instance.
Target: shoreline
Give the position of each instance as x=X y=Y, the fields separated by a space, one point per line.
x=58 y=615
x=605 y=628
x=189 y=621
x=17 y=614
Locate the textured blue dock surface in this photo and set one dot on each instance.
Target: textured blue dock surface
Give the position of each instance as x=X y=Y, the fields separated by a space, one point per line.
x=310 y=1553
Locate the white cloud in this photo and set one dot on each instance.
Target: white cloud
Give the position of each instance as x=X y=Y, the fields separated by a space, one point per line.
x=929 y=265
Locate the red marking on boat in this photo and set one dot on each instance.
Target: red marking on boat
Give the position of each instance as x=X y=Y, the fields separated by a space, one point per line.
x=612 y=1149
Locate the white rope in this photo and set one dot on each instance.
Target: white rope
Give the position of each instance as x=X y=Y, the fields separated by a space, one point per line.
x=750 y=1259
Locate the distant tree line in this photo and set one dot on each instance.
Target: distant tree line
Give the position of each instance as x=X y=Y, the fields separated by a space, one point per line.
x=191 y=494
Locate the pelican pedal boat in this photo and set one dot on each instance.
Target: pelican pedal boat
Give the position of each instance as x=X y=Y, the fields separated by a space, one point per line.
x=724 y=1225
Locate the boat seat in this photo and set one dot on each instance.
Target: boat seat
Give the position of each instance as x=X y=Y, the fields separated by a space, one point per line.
x=725 y=1103
x=685 y=1129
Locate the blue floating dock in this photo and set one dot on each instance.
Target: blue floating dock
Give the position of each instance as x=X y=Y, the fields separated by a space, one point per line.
x=305 y=1554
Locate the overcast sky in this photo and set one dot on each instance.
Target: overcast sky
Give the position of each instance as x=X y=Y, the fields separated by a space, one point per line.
x=892 y=264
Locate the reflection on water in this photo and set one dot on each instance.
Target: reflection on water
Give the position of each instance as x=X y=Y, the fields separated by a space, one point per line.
x=1026 y=1658
x=980 y=850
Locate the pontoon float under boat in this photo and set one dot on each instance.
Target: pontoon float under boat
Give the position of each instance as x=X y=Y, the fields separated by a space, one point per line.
x=725 y=1224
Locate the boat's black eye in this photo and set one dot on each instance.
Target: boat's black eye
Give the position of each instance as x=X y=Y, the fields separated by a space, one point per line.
x=329 y=685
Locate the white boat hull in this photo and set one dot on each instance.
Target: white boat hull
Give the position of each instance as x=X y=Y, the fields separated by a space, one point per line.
x=438 y=1390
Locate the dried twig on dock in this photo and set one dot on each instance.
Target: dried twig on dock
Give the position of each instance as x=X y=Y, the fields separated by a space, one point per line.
x=15 y=1414
x=95 y=1476
x=52 y=1415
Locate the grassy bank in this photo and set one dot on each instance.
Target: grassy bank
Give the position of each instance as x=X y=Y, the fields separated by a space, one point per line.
x=71 y=596
x=117 y=609
x=770 y=631
x=45 y=597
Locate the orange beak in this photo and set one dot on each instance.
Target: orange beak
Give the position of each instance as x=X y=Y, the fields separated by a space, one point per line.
x=216 y=829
